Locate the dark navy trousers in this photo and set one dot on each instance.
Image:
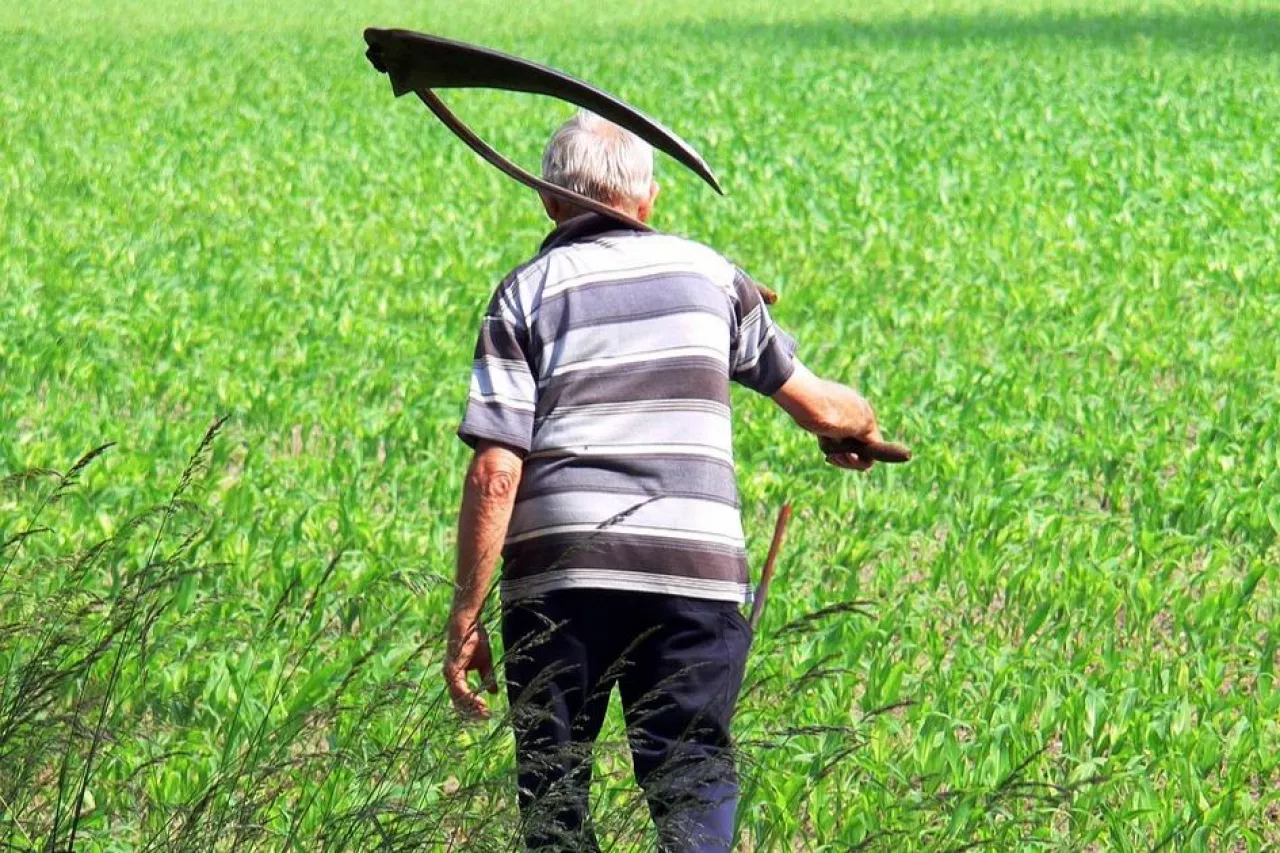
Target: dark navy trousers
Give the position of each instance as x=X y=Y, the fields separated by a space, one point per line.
x=678 y=664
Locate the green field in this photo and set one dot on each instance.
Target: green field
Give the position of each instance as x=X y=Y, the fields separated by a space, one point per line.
x=1042 y=238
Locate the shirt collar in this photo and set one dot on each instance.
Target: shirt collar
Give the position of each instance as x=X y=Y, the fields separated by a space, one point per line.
x=583 y=227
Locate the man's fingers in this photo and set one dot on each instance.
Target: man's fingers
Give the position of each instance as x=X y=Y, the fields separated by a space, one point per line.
x=868 y=449
x=849 y=461
x=464 y=698
x=468 y=649
x=455 y=678
x=472 y=707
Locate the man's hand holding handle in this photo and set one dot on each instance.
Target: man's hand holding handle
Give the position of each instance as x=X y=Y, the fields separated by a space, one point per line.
x=875 y=450
x=841 y=418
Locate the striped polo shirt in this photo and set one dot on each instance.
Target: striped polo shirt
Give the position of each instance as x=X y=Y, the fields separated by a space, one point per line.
x=605 y=361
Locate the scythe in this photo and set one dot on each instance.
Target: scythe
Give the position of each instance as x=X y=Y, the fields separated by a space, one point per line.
x=419 y=63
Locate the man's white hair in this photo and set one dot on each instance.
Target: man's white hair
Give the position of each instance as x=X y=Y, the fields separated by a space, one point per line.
x=593 y=156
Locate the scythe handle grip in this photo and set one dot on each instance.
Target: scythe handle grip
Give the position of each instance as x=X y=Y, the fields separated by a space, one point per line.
x=880 y=451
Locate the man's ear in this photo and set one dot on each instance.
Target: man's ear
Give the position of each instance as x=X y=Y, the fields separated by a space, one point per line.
x=552 y=206
x=645 y=208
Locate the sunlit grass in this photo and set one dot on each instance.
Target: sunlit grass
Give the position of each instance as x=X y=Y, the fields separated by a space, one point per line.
x=1041 y=237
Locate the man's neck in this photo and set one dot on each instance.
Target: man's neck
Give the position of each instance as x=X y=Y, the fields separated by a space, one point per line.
x=581 y=227
x=565 y=211
x=629 y=212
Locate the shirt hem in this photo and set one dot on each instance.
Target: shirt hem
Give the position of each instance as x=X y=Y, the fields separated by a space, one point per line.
x=711 y=590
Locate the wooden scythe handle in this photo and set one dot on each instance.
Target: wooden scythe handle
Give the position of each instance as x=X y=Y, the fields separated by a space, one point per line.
x=770 y=563
x=880 y=451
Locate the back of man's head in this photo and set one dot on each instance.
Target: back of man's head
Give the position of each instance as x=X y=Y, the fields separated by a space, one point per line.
x=598 y=159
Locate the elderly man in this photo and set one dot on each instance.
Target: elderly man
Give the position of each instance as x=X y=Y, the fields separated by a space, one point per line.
x=603 y=476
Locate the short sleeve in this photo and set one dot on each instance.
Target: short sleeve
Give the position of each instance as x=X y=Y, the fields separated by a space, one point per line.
x=762 y=356
x=503 y=395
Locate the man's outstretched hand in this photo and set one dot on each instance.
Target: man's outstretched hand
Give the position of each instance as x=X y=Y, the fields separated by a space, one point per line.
x=468 y=649
x=840 y=417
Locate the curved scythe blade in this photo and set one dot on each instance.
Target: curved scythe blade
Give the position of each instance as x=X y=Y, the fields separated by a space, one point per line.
x=417 y=62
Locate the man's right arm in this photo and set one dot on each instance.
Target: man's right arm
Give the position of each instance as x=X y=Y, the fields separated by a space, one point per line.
x=829 y=410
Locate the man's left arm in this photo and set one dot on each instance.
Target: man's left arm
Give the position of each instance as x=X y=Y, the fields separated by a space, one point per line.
x=498 y=426
x=488 y=497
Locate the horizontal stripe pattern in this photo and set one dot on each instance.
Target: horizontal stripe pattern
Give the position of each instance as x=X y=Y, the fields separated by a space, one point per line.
x=490 y=420
x=668 y=379
x=761 y=356
x=684 y=517
x=693 y=333
x=655 y=474
x=509 y=383
x=606 y=360
x=642 y=296
x=652 y=554
x=598 y=427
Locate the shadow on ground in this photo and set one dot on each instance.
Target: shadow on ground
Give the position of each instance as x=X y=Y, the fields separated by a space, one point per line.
x=1256 y=30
